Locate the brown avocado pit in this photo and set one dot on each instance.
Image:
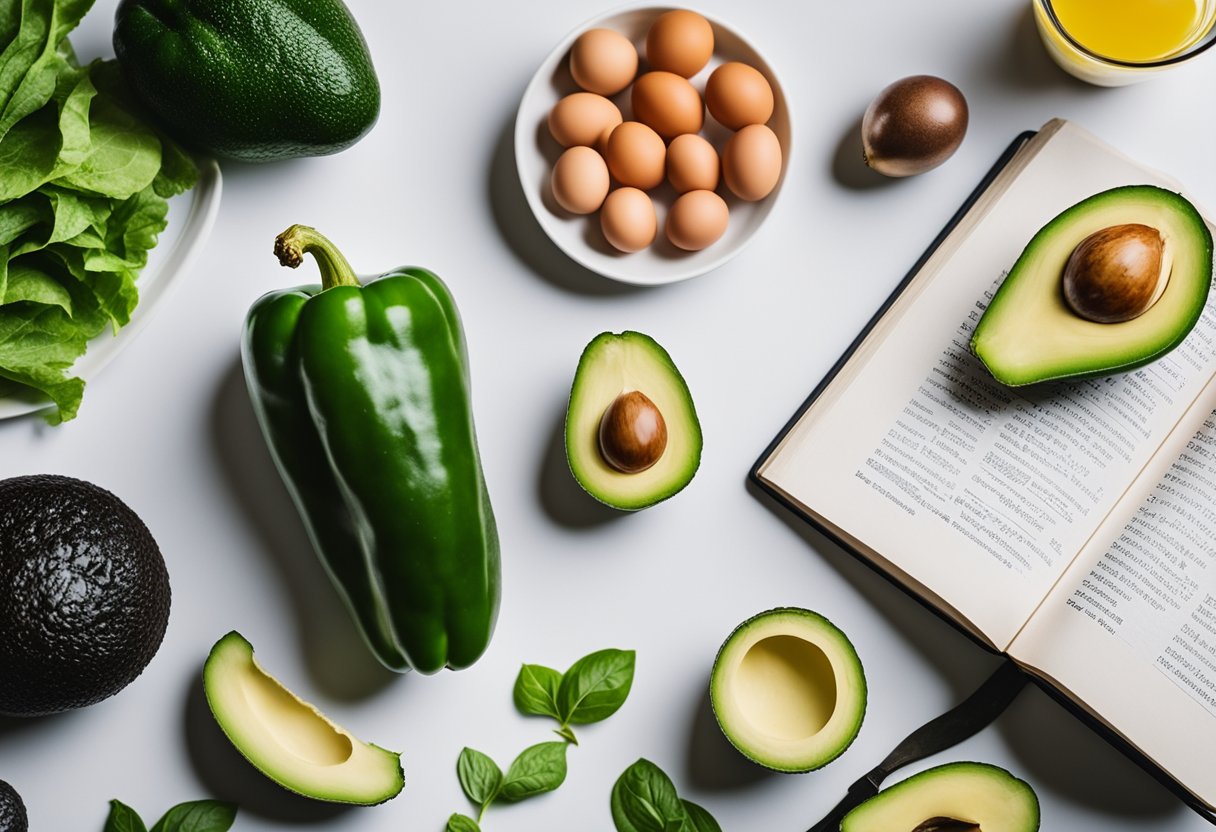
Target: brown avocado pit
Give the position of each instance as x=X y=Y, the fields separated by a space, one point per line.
x=632 y=433
x=941 y=824
x=1116 y=273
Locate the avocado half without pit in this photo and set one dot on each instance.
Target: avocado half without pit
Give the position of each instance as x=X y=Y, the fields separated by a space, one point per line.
x=289 y=740
x=1112 y=283
x=788 y=690
x=632 y=435
x=955 y=797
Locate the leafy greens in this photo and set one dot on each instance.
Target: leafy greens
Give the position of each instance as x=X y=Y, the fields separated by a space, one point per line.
x=82 y=200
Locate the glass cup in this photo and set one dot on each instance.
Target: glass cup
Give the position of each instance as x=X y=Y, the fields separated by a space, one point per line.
x=1089 y=66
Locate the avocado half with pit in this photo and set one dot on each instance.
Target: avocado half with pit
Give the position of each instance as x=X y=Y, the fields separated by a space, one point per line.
x=788 y=690
x=632 y=434
x=955 y=797
x=1112 y=283
x=289 y=740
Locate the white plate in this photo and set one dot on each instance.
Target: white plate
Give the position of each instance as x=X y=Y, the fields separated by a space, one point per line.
x=191 y=216
x=579 y=236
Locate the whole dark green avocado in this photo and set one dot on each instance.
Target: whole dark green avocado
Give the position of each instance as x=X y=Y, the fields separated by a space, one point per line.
x=86 y=595
x=12 y=810
x=256 y=80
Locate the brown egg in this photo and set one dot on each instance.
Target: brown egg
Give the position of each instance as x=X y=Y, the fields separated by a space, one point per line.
x=636 y=155
x=603 y=61
x=680 y=41
x=913 y=126
x=751 y=162
x=582 y=118
x=580 y=180
x=628 y=220
x=668 y=103
x=692 y=164
x=738 y=95
x=696 y=220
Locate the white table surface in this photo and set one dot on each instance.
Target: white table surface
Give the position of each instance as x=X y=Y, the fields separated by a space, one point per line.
x=168 y=428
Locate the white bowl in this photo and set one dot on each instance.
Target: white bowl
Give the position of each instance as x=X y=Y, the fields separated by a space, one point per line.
x=191 y=216
x=580 y=237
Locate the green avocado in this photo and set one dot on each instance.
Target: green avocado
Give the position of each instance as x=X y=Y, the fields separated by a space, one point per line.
x=287 y=739
x=86 y=595
x=255 y=80
x=955 y=797
x=12 y=810
x=620 y=452
x=1029 y=333
x=788 y=690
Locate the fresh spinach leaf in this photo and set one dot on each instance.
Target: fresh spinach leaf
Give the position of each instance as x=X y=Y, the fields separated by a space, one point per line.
x=123 y=818
x=462 y=823
x=536 y=690
x=699 y=820
x=645 y=800
x=538 y=769
x=595 y=686
x=480 y=777
x=198 y=816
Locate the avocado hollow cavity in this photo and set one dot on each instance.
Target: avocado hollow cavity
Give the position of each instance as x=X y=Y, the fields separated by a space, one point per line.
x=788 y=690
x=300 y=729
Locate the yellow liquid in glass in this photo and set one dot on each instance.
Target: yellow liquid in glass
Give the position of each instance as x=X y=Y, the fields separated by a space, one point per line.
x=1135 y=30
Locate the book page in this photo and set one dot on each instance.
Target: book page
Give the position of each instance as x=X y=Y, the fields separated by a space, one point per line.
x=979 y=493
x=1133 y=621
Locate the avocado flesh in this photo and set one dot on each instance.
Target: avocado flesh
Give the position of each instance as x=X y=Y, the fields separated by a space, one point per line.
x=287 y=739
x=618 y=363
x=1028 y=334
x=788 y=691
x=977 y=794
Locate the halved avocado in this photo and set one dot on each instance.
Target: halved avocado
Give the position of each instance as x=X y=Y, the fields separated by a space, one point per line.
x=612 y=370
x=289 y=740
x=788 y=690
x=1029 y=333
x=955 y=797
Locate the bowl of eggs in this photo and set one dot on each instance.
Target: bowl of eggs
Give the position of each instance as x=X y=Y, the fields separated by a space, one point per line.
x=652 y=144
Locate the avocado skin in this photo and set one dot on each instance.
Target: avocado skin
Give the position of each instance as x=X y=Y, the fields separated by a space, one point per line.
x=254 y=80
x=12 y=810
x=87 y=595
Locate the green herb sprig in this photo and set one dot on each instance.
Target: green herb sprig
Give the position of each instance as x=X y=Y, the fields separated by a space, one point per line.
x=593 y=689
x=645 y=800
x=194 y=816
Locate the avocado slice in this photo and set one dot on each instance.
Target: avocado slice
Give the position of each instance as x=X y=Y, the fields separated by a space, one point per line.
x=788 y=690
x=289 y=740
x=955 y=797
x=1029 y=334
x=612 y=370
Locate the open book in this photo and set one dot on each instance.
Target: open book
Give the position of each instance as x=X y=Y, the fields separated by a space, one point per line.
x=1069 y=525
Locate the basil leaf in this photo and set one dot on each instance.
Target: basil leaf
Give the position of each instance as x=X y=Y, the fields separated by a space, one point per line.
x=480 y=777
x=699 y=820
x=462 y=823
x=595 y=686
x=536 y=690
x=198 y=816
x=122 y=818
x=540 y=768
x=645 y=800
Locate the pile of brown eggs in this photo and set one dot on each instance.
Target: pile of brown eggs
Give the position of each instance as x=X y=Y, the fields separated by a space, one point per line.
x=609 y=164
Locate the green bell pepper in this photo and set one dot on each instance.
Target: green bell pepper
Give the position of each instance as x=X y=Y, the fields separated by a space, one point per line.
x=362 y=392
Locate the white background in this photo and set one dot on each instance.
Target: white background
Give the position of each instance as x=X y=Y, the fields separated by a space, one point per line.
x=168 y=428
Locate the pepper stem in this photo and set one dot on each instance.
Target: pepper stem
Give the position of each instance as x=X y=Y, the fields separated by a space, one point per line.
x=291 y=246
